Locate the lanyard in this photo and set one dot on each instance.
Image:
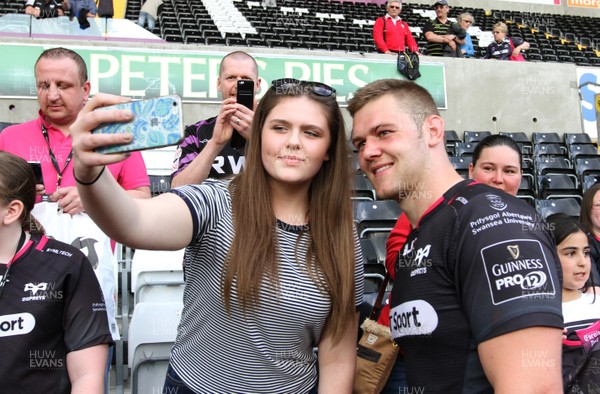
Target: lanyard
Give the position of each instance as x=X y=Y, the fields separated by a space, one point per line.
x=59 y=173
x=9 y=264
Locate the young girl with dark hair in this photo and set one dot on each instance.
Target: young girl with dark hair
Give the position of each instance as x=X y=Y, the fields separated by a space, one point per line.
x=52 y=314
x=581 y=307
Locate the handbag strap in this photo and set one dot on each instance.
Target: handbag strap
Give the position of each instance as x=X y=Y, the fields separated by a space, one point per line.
x=377 y=307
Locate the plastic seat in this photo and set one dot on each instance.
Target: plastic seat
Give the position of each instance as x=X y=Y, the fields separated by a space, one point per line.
x=152 y=332
x=379 y=242
x=154 y=260
x=527 y=190
x=553 y=165
x=464 y=149
x=589 y=181
x=587 y=166
x=362 y=189
x=558 y=186
x=159 y=286
x=568 y=206
x=549 y=149
x=582 y=150
x=461 y=165
x=377 y=216
x=4 y=125
x=577 y=138
x=475 y=136
x=451 y=138
x=369 y=252
x=522 y=139
x=159 y=184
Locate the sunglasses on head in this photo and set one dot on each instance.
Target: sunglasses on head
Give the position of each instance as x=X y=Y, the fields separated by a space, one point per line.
x=291 y=85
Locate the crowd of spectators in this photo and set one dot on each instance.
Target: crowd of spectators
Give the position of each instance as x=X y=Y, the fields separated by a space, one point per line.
x=444 y=38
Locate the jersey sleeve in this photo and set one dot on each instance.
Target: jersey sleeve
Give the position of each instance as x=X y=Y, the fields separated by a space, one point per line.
x=85 y=318
x=208 y=202
x=189 y=148
x=395 y=241
x=506 y=267
x=427 y=27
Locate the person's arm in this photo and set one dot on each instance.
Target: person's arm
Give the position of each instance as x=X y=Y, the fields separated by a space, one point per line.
x=524 y=361
x=133 y=222
x=445 y=39
x=199 y=168
x=337 y=363
x=519 y=48
x=86 y=368
x=378 y=37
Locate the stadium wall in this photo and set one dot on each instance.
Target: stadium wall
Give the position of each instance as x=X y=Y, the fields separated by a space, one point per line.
x=479 y=94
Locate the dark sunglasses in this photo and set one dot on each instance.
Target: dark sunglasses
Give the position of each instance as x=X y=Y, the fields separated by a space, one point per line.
x=394 y=6
x=291 y=84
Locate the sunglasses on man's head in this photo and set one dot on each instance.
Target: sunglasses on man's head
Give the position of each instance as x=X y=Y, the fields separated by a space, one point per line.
x=292 y=85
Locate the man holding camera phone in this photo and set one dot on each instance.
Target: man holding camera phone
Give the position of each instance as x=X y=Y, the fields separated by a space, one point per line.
x=207 y=149
x=62 y=91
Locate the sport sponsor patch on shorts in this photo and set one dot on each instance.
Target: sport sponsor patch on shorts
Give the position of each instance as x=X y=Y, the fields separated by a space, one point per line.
x=516 y=269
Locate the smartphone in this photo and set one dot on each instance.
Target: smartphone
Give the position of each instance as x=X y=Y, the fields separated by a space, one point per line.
x=37 y=170
x=157 y=122
x=245 y=96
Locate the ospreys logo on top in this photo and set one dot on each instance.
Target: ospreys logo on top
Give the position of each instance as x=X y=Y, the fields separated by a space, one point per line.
x=512 y=276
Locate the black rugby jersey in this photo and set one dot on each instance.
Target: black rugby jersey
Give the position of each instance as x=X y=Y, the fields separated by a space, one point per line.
x=480 y=264
x=51 y=305
x=230 y=160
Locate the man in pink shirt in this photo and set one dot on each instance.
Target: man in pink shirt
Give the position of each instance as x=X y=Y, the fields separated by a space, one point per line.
x=62 y=90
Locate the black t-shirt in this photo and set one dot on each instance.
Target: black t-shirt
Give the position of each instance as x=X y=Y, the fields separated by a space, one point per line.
x=479 y=265
x=51 y=305
x=47 y=9
x=230 y=161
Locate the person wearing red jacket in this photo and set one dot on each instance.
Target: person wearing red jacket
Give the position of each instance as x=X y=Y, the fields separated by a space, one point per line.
x=390 y=33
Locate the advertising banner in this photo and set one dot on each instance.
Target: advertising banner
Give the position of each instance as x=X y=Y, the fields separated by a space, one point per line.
x=193 y=73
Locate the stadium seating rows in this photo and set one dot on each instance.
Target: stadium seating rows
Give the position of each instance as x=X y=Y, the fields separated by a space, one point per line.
x=346 y=26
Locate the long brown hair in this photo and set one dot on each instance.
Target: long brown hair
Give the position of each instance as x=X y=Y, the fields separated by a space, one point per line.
x=254 y=252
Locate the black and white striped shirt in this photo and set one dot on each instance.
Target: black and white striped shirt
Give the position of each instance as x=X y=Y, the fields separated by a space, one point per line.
x=269 y=350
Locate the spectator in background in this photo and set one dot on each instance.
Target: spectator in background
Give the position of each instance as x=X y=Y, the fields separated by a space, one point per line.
x=206 y=150
x=44 y=8
x=149 y=13
x=89 y=7
x=581 y=307
x=443 y=37
x=57 y=341
x=390 y=33
x=466 y=20
x=505 y=48
x=590 y=217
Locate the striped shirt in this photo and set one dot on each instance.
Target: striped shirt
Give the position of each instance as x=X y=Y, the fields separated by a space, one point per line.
x=439 y=28
x=270 y=349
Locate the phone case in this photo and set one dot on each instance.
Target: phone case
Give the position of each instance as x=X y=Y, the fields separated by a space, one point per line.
x=157 y=123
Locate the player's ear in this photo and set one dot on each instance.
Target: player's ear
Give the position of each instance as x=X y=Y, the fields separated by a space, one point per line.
x=14 y=209
x=433 y=127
